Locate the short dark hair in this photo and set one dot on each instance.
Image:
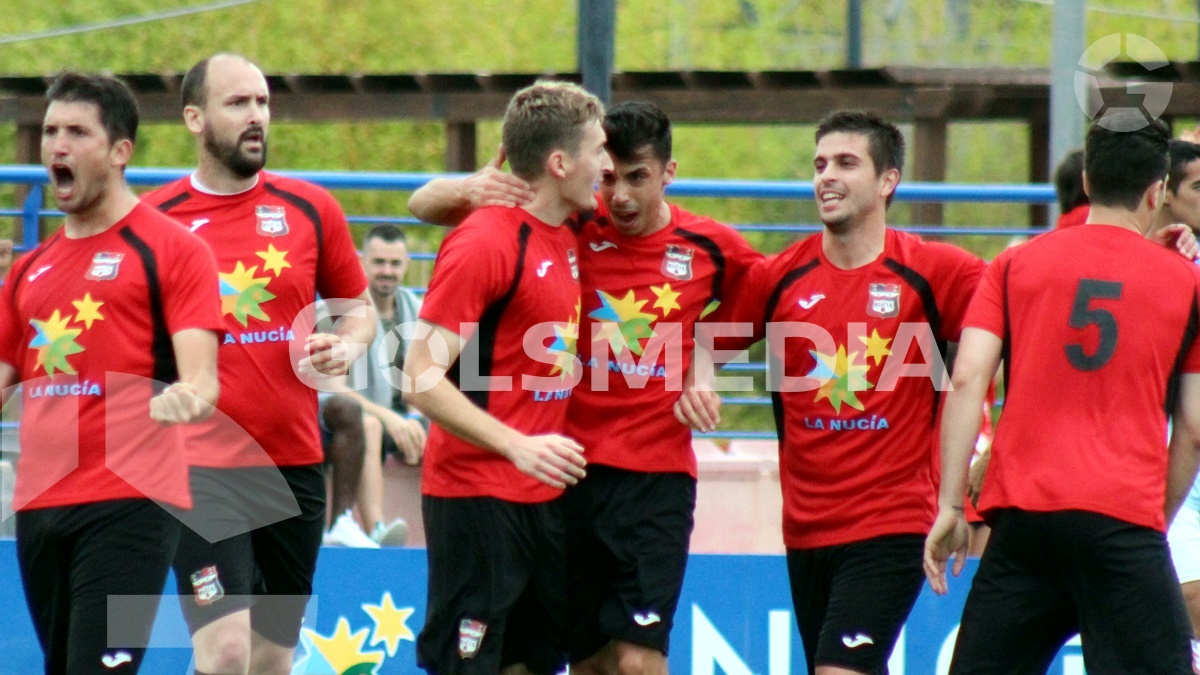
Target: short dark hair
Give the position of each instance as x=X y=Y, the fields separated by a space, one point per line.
x=1068 y=182
x=386 y=232
x=1182 y=153
x=192 y=91
x=885 y=143
x=633 y=125
x=1121 y=165
x=113 y=98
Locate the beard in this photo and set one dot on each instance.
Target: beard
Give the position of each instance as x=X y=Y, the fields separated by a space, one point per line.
x=230 y=155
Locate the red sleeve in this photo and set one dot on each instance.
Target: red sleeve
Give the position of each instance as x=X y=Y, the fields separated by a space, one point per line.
x=739 y=258
x=987 y=307
x=192 y=295
x=474 y=268
x=10 y=330
x=339 y=271
x=962 y=273
x=748 y=304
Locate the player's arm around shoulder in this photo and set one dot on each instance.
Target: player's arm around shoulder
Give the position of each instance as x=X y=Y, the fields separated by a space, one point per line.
x=448 y=201
x=552 y=459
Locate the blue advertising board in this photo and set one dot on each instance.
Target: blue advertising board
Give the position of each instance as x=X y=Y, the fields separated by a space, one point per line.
x=735 y=617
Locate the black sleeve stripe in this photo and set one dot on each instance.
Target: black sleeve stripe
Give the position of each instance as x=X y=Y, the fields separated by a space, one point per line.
x=929 y=303
x=714 y=253
x=174 y=201
x=1189 y=337
x=1006 y=344
x=776 y=367
x=165 y=369
x=924 y=290
x=307 y=207
x=483 y=342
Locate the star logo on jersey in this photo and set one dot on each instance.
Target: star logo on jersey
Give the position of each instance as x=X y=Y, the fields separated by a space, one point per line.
x=623 y=322
x=274 y=261
x=272 y=220
x=667 y=299
x=55 y=338
x=563 y=347
x=877 y=346
x=243 y=294
x=841 y=378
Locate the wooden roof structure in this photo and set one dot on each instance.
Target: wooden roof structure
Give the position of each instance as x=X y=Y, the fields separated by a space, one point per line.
x=930 y=98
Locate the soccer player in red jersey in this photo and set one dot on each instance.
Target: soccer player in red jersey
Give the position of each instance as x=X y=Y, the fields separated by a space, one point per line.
x=856 y=319
x=1097 y=328
x=257 y=473
x=94 y=323
x=493 y=367
x=649 y=271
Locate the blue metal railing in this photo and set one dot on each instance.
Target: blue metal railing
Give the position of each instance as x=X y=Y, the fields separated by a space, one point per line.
x=34 y=176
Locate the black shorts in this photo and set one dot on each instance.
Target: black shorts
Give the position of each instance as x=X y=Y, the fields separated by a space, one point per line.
x=627 y=548
x=81 y=566
x=1046 y=576
x=497 y=586
x=251 y=541
x=852 y=599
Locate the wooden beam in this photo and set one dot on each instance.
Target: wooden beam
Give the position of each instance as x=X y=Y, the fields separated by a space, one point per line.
x=460 y=146
x=929 y=165
x=1039 y=163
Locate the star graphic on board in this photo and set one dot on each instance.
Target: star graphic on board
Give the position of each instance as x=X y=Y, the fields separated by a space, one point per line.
x=343 y=651
x=391 y=623
x=842 y=378
x=667 y=298
x=877 y=346
x=274 y=260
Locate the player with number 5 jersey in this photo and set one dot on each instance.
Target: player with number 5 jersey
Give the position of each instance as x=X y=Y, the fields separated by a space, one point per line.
x=1097 y=328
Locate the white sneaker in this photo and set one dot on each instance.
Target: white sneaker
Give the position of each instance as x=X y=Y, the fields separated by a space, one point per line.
x=394 y=533
x=346 y=532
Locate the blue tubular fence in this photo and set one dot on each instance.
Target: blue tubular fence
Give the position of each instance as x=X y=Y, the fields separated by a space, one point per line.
x=34 y=176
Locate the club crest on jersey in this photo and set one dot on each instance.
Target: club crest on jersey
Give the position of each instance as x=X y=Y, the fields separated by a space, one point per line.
x=677 y=263
x=207 y=585
x=470 y=636
x=883 y=300
x=573 y=261
x=272 y=220
x=105 y=267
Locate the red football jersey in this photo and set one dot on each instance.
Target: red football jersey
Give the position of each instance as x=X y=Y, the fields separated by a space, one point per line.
x=856 y=412
x=87 y=324
x=1098 y=323
x=277 y=246
x=508 y=284
x=642 y=297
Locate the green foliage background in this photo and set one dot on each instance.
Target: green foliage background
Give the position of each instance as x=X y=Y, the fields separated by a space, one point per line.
x=382 y=36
